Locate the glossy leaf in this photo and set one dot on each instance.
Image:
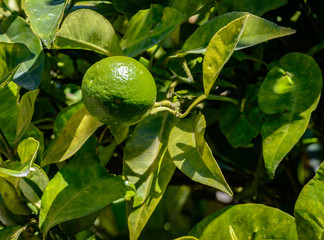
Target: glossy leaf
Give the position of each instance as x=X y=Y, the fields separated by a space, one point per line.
x=27 y=151
x=290 y=92
x=253 y=6
x=95 y=33
x=220 y=49
x=246 y=221
x=76 y=132
x=11 y=56
x=37 y=134
x=8 y=233
x=82 y=187
x=257 y=30
x=192 y=155
x=8 y=110
x=11 y=198
x=149 y=27
x=30 y=72
x=309 y=209
x=33 y=185
x=25 y=112
x=45 y=17
x=148 y=165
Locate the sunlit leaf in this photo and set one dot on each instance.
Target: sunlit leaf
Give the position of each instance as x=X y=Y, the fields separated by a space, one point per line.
x=148 y=165
x=82 y=187
x=95 y=33
x=149 y=27
x=45 y=17
x=30 y=72
x=27 y=151
x=220 y=49
x=25 y=112
x=309 y=210
x=246 y=221
x=257 y=30
x=289 y=94
x=75 y=133
x=192 y=155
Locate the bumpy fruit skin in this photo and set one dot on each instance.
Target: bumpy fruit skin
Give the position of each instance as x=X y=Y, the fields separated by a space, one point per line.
x=118 y=91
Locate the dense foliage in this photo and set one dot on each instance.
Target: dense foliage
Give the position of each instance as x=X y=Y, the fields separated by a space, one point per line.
x=232 y=148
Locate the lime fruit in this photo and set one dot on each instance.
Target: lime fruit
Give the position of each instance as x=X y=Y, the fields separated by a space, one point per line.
x=118 y=91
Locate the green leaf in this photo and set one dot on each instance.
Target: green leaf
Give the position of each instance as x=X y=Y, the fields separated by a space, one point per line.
x=8 y=233
x=11 y=56
x=95 y=33
x=81 y=187
x=11 y=198
x=189 y=7
x=64 y=116
x=25 y=112
x=309 y=209
x=246 y=221
x=148 y=165
x=257 y=30
x=241 y=123
x=33 y=185
x=192 y=155
x=106 y=153
x=220 y=49
x=35 y=133
x=8 y=110
x=76 y=132
x=45 y=17
x=253 y=6
x=290 y=92
x=30 y=72
x=27 y=151
x=149 y=27
x=186 y=238
x=119 y=133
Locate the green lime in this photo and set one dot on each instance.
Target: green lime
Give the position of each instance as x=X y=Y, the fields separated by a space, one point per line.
x=118 y=91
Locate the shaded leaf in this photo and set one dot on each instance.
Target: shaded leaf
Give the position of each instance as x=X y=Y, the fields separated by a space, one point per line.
x=290 y=92
x=25 y=112
x=192 y=155
x=149 y=27
x=27 y=151
x=241 y=123
x=8 y=233
x=80 y=188
x=95 y=33
x=30 y=72
x=106 y=153
x=309 y=210
x=45 y=17
x=33 y=185
x=220 y=49
x=246 y=221
x=8 y=110
x=189 y=7
x=11 y=198
x=257 y=30
x=253 y=6
x=76 y=132
x=119 y=133
x=11 y=56
x=148 y=165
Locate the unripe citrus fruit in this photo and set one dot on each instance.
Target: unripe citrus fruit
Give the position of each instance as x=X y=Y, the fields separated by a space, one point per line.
x=118 y=91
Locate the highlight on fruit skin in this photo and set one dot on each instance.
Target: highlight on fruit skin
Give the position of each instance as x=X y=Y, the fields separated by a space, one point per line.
x=118 y=91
